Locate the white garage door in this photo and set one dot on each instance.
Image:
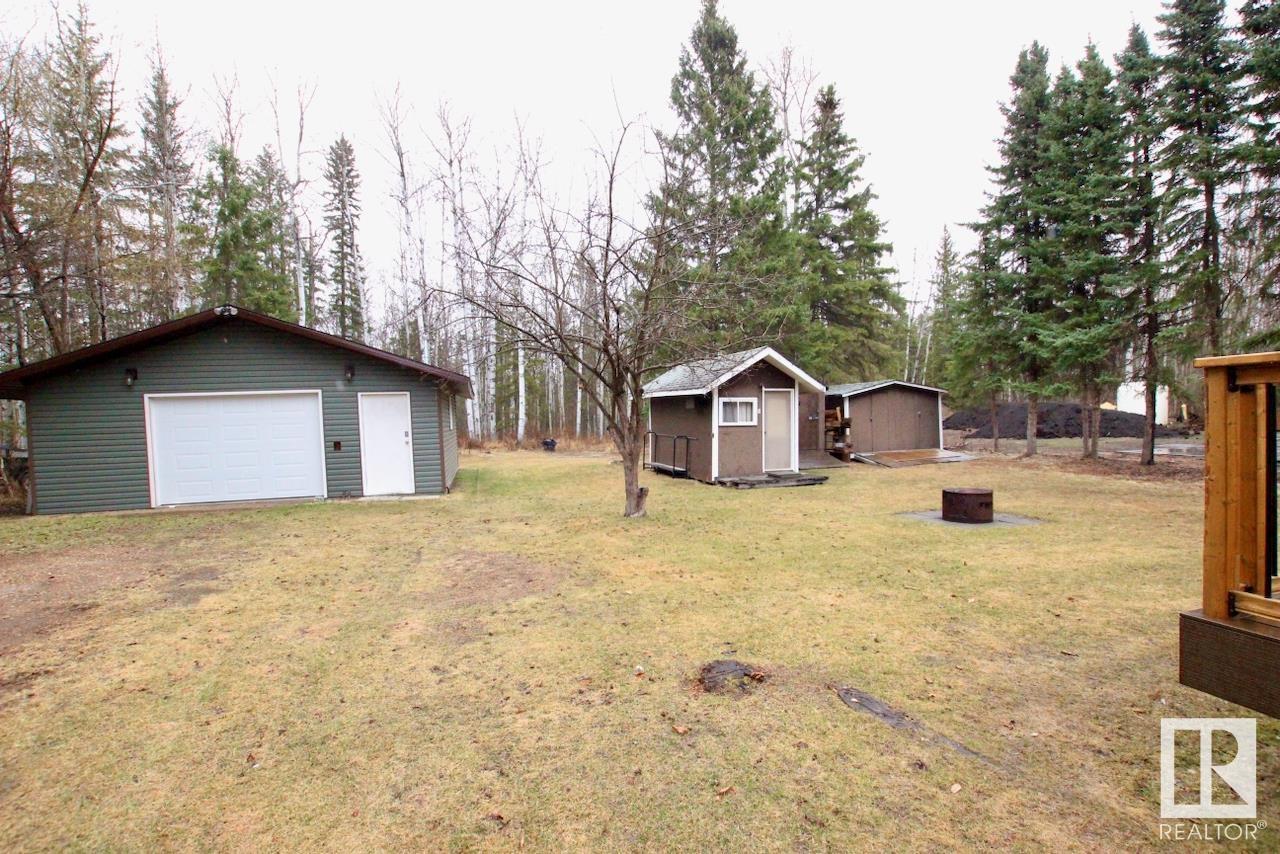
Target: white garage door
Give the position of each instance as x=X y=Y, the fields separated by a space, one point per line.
x=235 y=447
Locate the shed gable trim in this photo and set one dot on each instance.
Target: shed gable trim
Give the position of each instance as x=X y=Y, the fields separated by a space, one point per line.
x=754 y=357
x=847 y=390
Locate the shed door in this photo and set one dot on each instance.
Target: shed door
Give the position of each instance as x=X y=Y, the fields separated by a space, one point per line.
x=235 y=447
x=386 y=443
x=779 y=435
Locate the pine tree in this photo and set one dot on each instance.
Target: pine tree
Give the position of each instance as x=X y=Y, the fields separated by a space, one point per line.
x=1201 y=109
x=725 y=175
x=1014 y=233
x=1260 y=27
x=1086 y=178
x=854 y=310
x=342 y=217
x=162 y=172
x=237 y=235
x=1138 y=84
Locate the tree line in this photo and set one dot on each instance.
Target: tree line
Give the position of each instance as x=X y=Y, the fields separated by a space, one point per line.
x=1132 y=223
x=119 y=214
x=115 y=216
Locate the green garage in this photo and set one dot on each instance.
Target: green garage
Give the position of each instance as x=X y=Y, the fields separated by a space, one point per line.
x=230 y=405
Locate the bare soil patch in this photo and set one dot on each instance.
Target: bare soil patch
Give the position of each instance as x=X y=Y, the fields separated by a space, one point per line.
x=1165 y=469
x=729 y=676
x=37 y=594
x=491 y=578
x=43 y=591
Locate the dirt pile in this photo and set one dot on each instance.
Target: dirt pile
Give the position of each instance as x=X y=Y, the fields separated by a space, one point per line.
x=1056 y=421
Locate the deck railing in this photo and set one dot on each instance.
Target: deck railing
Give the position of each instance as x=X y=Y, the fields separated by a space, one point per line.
x=676 y=462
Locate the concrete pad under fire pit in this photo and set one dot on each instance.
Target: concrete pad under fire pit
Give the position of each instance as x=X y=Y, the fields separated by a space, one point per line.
x=1002 y=520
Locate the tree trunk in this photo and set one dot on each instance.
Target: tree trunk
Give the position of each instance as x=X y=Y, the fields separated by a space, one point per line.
x=1149 y=423
x=637 y=495
x=1033 y=417
x=1086 y=419
x=520 y=393
x=995 y=424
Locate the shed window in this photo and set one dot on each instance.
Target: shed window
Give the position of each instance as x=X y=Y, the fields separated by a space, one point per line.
x=737 y=411
x=452 y=407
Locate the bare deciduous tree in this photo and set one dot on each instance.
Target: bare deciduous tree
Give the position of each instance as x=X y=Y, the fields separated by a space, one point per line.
x=605 y=295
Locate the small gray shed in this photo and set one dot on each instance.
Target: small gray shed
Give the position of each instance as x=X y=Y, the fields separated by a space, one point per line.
x=888 y=415
x=231 y=405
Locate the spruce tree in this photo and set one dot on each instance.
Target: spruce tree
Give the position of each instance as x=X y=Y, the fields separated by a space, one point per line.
x=1086 y=178
x=726 y=179
x=1201 y=109
x=162 y=172
x=237 y=235
x=1260 y=27
x=1137 y=89
x=854 y=311
x=341 y=220
x=1014 y=230
x=984 y=358
x=946 y=285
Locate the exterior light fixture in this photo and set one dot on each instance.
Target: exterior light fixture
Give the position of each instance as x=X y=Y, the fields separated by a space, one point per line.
x=349 y=373
x=130 y=377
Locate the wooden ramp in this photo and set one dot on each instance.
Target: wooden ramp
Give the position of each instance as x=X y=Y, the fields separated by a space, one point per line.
x=918 y=457
x=819 y=460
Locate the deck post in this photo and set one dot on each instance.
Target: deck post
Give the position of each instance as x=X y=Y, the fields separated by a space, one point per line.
x=1216 y=571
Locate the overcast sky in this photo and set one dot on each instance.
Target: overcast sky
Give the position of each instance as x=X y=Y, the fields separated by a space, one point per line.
x=921 y=82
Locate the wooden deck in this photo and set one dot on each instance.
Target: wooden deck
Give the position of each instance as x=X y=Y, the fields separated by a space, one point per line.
x=919 y=457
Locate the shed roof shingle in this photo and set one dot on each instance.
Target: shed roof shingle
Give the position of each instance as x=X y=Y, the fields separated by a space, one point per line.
x=696 y=376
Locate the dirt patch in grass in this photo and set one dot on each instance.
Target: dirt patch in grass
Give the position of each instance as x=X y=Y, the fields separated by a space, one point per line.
x=491 y=578
x=898 y=719
x=731 y=677
x=190 y=586
x=1165 y=469
x=37 y=596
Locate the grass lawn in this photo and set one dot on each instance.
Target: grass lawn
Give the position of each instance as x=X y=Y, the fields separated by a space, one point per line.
x=462 y=673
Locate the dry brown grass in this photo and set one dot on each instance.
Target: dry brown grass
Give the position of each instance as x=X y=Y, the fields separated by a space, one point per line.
x=462 y=673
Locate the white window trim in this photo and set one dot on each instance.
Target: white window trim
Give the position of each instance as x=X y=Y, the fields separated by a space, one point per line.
x=755 y=411
x=449 y=404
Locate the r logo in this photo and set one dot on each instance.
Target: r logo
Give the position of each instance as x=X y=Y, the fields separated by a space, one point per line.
x=1241 y=773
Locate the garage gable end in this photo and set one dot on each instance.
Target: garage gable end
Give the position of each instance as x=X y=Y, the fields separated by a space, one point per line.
x=88 y=430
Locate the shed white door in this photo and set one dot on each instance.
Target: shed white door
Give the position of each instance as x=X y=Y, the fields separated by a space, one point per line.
x=779 y=436
x=386 y=443
x=235 y=447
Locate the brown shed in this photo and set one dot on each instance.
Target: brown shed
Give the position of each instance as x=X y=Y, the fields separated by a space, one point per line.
x=889 y=415
x=735 y=415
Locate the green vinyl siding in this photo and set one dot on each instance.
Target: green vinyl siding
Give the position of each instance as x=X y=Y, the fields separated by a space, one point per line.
x=449 y=403
x=87 y=429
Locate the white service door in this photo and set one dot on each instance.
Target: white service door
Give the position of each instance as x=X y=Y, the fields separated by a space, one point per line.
x=234 y=447
x=779 y=439
x=386 y=443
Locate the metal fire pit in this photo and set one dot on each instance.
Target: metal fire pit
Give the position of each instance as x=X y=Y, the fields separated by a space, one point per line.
x=968 y=504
